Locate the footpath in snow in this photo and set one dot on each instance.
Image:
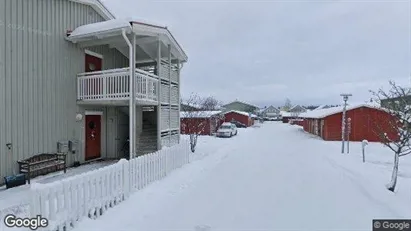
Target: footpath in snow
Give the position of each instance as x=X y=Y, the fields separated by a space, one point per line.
x=271 y=178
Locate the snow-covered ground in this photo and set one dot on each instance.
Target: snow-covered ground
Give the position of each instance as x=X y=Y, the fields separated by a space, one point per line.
x=15 y=200
x=275 y=177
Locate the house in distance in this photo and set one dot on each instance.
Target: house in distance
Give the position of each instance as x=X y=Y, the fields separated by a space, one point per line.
x=241 y=106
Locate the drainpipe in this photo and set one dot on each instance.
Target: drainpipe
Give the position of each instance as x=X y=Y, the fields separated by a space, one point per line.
x=132 y=98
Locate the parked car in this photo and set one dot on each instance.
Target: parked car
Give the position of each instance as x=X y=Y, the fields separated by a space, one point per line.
x=227 y=130
x=238 y=124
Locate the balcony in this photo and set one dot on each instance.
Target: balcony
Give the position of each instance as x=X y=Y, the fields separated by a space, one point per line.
x=113 y=87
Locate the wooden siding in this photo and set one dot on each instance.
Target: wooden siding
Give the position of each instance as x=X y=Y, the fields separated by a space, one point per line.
x=238 y=117
x=175 y=117
x=165 y=121
x=363 y=125
x=38 y=69
x=170 y=110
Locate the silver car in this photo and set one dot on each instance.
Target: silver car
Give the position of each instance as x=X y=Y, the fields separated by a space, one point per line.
x=227 y=130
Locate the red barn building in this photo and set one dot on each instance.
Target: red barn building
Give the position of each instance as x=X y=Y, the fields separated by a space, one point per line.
x=200 y=122
x=327 y=123
x=242 y=117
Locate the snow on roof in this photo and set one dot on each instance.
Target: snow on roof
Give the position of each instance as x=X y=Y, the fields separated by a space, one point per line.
x=238 y=101
x=290 y=114
x=267 y=108
x=238 y=112
x=321 y=113
x=198 y=114
x=320 y=107
x=283 y=112
x=100 y=27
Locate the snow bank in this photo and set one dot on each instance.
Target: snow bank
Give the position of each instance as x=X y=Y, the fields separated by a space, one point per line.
x=306 y=184
x=92 y=193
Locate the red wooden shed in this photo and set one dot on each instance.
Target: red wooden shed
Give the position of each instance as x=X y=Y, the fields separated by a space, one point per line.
x=327 y=123
x=200 y=122
x=242 y=117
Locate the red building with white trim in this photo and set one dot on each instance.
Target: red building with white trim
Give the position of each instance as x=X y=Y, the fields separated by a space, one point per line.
x=200 y=122
x=367 y=122
x=242 y=117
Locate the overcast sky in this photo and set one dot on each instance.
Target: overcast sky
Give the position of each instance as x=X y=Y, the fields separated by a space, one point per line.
x=265 y=51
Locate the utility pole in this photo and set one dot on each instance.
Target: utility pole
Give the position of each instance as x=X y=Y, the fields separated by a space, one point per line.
x=344 y=123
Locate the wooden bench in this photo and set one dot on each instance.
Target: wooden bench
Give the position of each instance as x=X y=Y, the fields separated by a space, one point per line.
x=42 y=164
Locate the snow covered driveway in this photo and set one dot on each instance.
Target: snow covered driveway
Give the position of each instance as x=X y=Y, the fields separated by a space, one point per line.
x=271 y=178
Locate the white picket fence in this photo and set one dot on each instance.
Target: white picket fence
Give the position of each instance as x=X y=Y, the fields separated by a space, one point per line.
x=66 y=202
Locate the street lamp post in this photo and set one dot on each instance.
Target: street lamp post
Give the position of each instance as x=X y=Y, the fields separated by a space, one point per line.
x=344 y=124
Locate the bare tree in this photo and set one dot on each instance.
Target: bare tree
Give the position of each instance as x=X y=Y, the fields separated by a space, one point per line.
x=394 y=133
x=210 y=104
x=194 y=121
x=287 y=105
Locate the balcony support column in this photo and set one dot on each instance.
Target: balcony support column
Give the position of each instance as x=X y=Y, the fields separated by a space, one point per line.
x=134 y=106
x=169 y=95
x=179 y=98
x=159 y=94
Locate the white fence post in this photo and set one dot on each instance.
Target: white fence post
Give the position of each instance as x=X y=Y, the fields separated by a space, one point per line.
x=125 y=165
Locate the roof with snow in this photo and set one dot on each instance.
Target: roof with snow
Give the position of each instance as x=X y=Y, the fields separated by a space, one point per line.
x=324 y=106
x=198 y=114
x=113 y=29
x=237 y=101
x=269 y=108
x=297 y=108
x=322 y=113
x=113 y=25
x=290 y=114
x=238 y=112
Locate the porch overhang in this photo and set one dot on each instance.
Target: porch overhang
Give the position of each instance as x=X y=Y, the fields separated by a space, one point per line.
x=110 y=33
x=101 y=30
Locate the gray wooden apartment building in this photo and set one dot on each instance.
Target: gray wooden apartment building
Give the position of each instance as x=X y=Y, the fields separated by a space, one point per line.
x=66 y=67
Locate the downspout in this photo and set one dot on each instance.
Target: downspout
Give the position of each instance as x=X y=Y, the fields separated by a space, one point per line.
x=132 y=98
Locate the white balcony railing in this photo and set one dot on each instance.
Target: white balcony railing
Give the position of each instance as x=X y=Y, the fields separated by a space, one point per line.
x=114 y=85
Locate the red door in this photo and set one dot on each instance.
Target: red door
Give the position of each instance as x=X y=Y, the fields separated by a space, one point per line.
x=93 y=86
x=93 y=63
x=93 y=137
